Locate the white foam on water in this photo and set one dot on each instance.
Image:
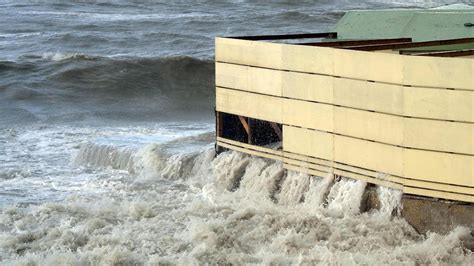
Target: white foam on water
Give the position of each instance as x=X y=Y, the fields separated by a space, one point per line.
x=234 y=209
x=120 y=17
x=58 y=56
x=266 y=184
x=390 y=201
x=293 y=188
x=229 y=169
x=318 y=189
x=102 y=155
x=345 y=196
x=19 y=35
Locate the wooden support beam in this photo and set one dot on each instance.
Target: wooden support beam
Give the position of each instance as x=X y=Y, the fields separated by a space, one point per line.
x=245 y=123
x=405 y=45
x=219 y=132
x=219 y=124
x=466 y=52
x=250 y=135
x=331 y=35
x=277 y=130
x=344 y=43
x=246 y=126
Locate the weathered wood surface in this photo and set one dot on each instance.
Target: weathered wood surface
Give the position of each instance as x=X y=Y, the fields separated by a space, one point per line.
x=436 y=72
x=413 y=133
x=359 y=114
x=420 y=102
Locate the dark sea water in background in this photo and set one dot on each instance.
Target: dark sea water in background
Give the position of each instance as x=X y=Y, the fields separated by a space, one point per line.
x=106 y=146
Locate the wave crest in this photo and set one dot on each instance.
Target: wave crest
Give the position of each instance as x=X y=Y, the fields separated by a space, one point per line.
x=57 y=56
x=82 y=87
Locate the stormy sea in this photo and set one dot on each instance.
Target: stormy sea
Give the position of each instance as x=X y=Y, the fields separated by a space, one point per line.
x=107 y=146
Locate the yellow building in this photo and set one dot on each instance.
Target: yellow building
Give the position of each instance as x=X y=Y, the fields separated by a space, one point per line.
x=395 y=111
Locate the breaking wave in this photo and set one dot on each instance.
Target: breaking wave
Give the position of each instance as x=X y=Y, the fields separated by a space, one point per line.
x=195 y=208
x=132 y=196
x=291 y=15
x=77 y=87
x=156 y=159
x=118 y=17
x=63 y=56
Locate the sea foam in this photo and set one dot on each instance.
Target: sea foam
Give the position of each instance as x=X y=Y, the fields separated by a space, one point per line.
x=232 y=208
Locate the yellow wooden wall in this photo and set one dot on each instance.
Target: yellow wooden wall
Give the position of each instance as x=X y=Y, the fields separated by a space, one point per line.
x=402 y=121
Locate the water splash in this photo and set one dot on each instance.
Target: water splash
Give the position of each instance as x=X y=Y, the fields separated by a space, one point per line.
x=318 y=190
x=345 y=197
x=232 y=218
x=293 y=188
x=390 y=201
x=105 y=156
x=269 y=175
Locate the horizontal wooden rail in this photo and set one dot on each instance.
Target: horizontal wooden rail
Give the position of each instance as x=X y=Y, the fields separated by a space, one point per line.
x=321 y=167
x=331 y=35
x=410 y=133
x=378 y=67
x=448 y=105
x=467 y=52
x=358 y=113
x=398 y=46
x=344 y=43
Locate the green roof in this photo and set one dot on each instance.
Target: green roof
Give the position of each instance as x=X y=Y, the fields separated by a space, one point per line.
x=418 y=24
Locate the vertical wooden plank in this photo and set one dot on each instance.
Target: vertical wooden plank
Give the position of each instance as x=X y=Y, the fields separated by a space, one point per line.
x=368 y=125
x=308 y=142
x=368 y=66
x=245 y=121
x=308 y=114
x=265 y=81
x=369 y=155
x=232 y=76
x=252 y=53
x=439 y=135
x=439 y=167
x=309 y=87
x=219 y=124
x=257 y=106
x=439 y=104
x=310 y=59
x=361 y=94
x=250 y=133
x=277 y=130
x=440 y=72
